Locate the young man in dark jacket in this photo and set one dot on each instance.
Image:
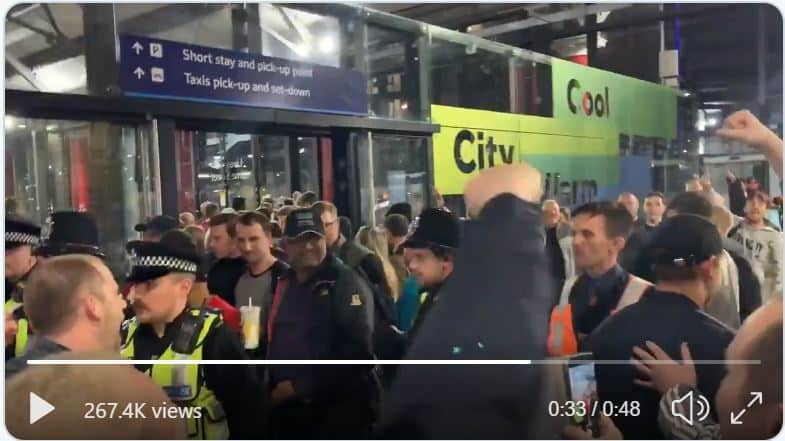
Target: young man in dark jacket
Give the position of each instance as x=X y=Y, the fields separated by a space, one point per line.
x=227 y=263
x=320 y=311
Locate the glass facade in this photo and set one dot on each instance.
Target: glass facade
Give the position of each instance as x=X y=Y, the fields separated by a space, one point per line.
x=194 y=23
x=274 y=175
x=252 y=167
x=99 y=167
x=300 y=35
x=392 y=168
x=409 y=65
x=393 y=74
x=308 y=160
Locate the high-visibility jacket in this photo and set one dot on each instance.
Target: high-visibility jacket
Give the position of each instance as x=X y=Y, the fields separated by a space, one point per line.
x=22 y=337
x=22 y=326
x=562 y=339
x=11 y=305
x=185 y=384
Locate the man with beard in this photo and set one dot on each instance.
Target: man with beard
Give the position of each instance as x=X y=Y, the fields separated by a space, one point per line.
x=762 y=244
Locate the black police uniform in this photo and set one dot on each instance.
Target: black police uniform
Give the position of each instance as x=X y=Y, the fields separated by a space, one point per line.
x=18 y=232
x=236 y=387
x=667 y=319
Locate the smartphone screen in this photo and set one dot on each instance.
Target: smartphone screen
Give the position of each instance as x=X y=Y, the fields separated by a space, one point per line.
x=583 y=386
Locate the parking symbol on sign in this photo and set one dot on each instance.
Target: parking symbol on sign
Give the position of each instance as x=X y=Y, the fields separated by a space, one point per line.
x=156 y=50
x=157 y=75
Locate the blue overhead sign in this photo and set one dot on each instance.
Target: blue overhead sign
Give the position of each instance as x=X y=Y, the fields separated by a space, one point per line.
x=168 y=69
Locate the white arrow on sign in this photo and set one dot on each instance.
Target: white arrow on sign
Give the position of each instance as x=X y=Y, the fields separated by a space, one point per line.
x=139 y=72
x=756 y=397
x=39 y=408
x=137 y=47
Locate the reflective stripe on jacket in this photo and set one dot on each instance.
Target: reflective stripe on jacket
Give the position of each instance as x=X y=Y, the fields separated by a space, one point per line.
x=562 y=339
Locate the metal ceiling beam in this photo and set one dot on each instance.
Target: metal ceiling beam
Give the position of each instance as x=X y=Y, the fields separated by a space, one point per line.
x=480 y=14
x=49 y=36
x=144 y=24
x=24 y=71
x=650 y=19
x=52 y=21
x=538 y=20
x=22 y=9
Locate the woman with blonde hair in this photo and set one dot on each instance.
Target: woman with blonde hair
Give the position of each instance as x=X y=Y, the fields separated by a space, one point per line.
x=375 y=239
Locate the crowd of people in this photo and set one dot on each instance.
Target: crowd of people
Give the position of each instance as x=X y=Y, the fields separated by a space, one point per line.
x=520 y=278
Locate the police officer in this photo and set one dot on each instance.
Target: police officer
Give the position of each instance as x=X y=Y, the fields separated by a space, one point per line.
x=70 y=232
x=21 y=236
x=164 y=328
x=429 y=251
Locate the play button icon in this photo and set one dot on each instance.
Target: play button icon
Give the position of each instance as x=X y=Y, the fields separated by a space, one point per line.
x=39 y=408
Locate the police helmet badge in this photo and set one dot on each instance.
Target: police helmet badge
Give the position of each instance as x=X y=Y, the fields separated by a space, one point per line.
x=46 y=228
x=414 y=225
x=356 y=301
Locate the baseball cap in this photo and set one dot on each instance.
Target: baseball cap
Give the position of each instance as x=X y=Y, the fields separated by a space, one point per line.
x=434 y=227
x=684 y=240
x=303 y=221
x=160 y=224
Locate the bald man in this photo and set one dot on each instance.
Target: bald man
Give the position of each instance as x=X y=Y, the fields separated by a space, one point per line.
x=631 y=203
x=74 y=304
x=636 y=238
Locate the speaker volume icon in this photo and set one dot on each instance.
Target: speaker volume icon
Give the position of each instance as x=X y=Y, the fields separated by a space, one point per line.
x=686 y=407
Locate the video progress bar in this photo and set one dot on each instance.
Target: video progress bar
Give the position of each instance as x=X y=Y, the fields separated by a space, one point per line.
x=379 y=362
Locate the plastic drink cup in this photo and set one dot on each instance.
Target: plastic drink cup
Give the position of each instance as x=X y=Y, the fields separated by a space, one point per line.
x=250 y=317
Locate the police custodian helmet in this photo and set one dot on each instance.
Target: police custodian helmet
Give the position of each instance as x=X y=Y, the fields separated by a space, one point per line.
x=175 y=252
